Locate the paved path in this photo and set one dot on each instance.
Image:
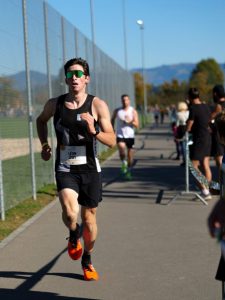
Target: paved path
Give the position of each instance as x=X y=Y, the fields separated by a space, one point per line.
x=146 y=249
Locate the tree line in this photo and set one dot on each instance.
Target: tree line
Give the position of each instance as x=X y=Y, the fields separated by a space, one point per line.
x=204 y=76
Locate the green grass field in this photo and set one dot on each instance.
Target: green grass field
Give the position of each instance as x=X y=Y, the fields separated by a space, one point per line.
x=16 y=127
x=13 y=127
x=17 y=179
x=19 y=214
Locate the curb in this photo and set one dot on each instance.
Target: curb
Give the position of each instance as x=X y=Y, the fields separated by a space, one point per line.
x=20 y=229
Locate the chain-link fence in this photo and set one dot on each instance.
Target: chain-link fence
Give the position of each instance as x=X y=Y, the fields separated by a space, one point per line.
x=36 y=41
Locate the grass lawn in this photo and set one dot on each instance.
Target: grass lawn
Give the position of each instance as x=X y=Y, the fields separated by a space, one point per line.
x=16 y=127
x=19 y=214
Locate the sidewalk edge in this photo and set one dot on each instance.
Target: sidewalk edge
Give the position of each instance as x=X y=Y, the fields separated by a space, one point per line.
x=21 y=228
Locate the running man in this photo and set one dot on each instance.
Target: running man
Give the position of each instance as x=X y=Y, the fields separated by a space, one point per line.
x=127 y=120
x=80 y=119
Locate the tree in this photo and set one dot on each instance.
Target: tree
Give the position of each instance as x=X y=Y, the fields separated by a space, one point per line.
x=139 y=90
x=206 y=74
x=9 y=97
x=169 y=93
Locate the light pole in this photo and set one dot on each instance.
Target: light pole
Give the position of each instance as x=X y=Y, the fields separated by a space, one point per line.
x=124 y=34
x=141 y=25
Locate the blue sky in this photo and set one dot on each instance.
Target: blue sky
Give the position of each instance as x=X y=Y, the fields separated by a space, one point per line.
x=175 y=31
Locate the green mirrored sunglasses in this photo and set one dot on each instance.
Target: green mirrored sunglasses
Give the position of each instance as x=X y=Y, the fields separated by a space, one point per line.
x=77 y=73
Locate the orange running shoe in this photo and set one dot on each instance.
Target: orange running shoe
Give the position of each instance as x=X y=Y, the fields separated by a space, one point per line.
x=74 y=249
x=89 y=272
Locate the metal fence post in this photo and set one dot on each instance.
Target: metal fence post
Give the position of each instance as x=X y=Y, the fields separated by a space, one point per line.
x=29 y=101
x=49 y=84
x=63 y=50
x=2 y=203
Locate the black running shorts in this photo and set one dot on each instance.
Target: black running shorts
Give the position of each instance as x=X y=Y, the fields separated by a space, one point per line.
x=87 y=185
x=200 y=148
x=129 y=142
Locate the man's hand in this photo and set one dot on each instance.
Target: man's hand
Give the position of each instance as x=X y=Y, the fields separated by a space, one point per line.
x=216 y=219
x=46 y=152
x=90 y=121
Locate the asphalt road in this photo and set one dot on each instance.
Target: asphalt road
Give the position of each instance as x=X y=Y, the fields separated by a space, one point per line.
x=146 y=249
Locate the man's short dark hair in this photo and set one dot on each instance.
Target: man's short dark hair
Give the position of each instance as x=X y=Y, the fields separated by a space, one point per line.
x=219 y=91
x=193 y=93
x=124 y=95
x=77 y=61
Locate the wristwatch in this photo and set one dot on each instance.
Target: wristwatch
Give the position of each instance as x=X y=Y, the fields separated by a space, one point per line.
x=96 y=132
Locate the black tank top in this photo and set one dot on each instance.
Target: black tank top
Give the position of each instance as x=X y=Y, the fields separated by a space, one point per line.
x=76 y=150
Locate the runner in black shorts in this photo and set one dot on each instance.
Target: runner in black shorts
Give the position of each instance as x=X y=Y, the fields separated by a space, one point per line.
x=88 y=186
x=128 y=142
x=80 y=120
x=126 y=118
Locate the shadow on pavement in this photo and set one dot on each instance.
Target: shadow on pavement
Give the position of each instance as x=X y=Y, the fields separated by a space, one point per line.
x=166 y=176
x=23 y=291
x=159 y=135
x=9 y=294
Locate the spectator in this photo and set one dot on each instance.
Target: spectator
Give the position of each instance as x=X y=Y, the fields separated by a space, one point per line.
x=162 y=115
x=198 y=126
x=156 y=113
x=217 y=150
x=182 y=116
x=174 y=130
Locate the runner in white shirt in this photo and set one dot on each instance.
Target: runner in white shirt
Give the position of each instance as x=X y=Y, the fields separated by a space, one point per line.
x=126 y=120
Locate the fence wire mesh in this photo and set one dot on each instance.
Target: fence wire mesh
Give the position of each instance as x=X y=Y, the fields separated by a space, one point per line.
x=34 y=48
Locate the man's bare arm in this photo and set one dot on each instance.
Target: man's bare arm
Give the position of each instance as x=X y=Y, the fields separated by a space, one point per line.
x=43 y=118
x=217 y=110
x=107 y=135
x=114 y=117
x=42 y=127
x=135 y=121
x=216 y=218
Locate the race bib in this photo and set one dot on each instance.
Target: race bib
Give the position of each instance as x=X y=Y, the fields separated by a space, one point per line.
x=73 y=155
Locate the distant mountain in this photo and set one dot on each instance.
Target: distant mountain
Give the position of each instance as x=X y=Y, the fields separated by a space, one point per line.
x=37 y=79
x=155 y=76
x=158 y=75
